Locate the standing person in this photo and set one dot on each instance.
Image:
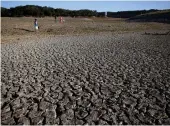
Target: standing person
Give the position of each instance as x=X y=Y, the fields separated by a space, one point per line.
x=36 y=24
x=55 y=18
x=61 y=19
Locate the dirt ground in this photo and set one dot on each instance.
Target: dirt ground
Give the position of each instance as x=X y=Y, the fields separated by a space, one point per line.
x=84 y=72
x=13 y=29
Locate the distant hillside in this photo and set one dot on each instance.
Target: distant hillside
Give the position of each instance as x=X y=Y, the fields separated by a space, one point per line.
x=129 y=14
x=39 y=11
x=158 y=16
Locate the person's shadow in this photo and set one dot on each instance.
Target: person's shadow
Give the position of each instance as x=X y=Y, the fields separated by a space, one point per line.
x=24 y=29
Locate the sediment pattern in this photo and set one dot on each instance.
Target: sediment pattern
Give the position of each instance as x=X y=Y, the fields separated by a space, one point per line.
x=89 y=79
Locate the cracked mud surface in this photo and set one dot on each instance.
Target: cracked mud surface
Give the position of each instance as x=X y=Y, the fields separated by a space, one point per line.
x=89 y=79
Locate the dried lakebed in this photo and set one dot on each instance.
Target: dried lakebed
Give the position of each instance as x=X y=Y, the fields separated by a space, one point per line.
x=88 y=79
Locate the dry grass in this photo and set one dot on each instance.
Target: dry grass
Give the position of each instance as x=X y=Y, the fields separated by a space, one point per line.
x=18 y=28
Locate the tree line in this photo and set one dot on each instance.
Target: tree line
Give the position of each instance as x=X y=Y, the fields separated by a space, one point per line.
x=38 y=11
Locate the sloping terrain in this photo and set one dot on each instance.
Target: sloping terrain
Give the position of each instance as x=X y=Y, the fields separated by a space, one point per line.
x=158 y=16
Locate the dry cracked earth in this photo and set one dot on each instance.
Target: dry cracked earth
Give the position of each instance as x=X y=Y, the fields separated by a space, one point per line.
x=88 y=79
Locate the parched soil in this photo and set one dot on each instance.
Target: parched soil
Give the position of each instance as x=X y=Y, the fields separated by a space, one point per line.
x=14 y=29
x=101 y=79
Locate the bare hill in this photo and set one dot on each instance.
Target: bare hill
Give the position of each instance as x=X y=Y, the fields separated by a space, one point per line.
x=159 y=16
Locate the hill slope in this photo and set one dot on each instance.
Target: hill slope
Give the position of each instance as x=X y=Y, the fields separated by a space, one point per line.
x=159 y=16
